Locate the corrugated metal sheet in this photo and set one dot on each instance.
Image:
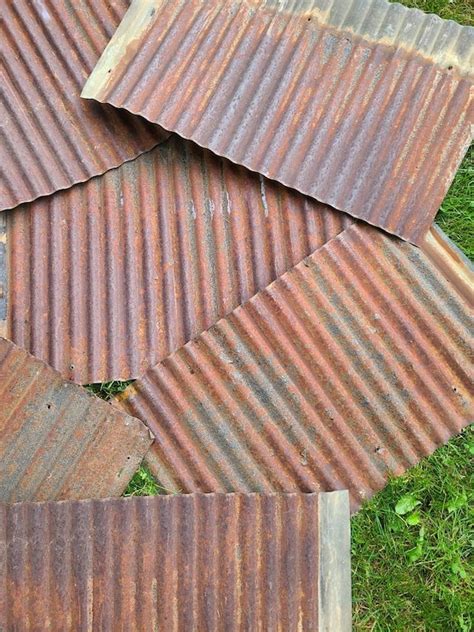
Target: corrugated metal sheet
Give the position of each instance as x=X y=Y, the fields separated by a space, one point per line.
x=109 y=277
x=181 y=563
x=364 y=105
x=347 y=369
x=58 y=441
x=50 y=138
x=451 y=262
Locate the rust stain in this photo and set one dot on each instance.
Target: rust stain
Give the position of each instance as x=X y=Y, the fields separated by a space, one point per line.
x=51 y=139
x=346 y=370
x=367 y=108
x=157 y=563
x=57 y=441
x=109 y=277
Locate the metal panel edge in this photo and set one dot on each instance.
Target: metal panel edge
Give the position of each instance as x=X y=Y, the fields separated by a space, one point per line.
x=335 y=599
x=3 y=274
x=450 y=261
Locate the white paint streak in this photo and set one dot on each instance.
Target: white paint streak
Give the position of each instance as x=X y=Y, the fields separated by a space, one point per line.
x=264 y=195
x=228 y=204
x=43 y=11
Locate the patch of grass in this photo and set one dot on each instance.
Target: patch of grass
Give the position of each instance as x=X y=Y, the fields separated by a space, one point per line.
x=413 y=547
x=107 y=390
x=461 y=11
x=456 y=215
x=143 y=484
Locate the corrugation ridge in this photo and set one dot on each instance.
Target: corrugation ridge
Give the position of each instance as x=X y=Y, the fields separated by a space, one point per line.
x=187 y=567
x=186 y=61
x=111 y=276
x=250 y=466
x=246 y=57
x=17 y=134
x=452 y=311
x=244 y=91
x=325 y=302
x=273 y=151
x=65 y=135
x=333 y=129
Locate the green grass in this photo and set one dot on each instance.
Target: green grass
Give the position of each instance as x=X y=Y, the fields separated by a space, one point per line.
x=414 y=571
x=413 y=543
x=456 y=215
x=460 y=10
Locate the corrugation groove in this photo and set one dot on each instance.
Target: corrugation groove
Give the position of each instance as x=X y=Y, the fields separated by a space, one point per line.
x=156 y=563
x=108 y=278
x=56 y=438
x=48 y=49
x=321 y=110
x=347 y=369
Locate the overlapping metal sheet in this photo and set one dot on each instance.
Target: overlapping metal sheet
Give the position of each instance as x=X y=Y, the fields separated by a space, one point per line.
x=109 y=277
x=362 y=104
x=50 y=138
x=57 y=440
x=346 y=370
x=178 y=563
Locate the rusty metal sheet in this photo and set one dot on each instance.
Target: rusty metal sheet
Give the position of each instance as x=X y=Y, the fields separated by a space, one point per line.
x=364 y=105
x=450 y=261
x=346 y=370
x=109 y=277
x=57 y=440
x=188 y=563
x=51 y=139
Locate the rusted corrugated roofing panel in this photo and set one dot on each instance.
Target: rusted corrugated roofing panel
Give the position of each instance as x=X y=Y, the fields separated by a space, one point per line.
x=364 y=105
x=109 y=277
x=189 y=563
x=347 y=369
x=50 y=138
x=57 y=440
